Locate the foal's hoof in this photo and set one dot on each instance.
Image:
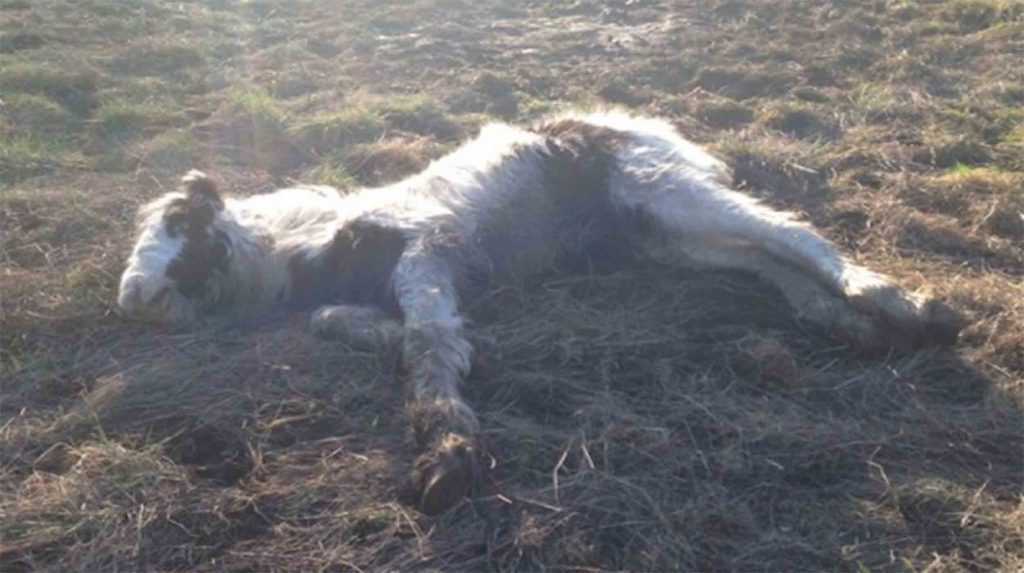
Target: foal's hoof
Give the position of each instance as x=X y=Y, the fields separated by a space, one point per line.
x=360 y=327
x=445 y=475
x=942 y=323
x=907 y=322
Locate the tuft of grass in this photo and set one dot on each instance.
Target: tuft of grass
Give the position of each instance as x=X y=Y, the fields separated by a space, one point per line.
x=332 y=171
x=329 y=132
x=418 y=114
x=367 y=119
x=22 y=40
x=25 y=156
x=40 y=115
x=975 y=15
x=986 y=119
x=105 y=485
x=1016 y=136
x=1010 y=151
x=294 y=83
x=494 y=85
x=624 y=92
x=724 y=113
x=531 y=108
x=41 y=222
x=14 y=5
x=876 y=102
x=122 y=120
x=981 y=198
x=172 y=152
x=257 y=106
x=389 y=160
x=961 y=170
x=947 y=150
x=811 y=94
x=494 y=94
x=780 y=166
x=154 y=58
x=993 y=199
x=255 y=127
x=75 y=90
x=740 y=83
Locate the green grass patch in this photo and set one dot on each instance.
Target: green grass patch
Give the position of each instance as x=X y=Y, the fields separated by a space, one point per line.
x=1015 y=136
x=744 y=82
x=961 y=169
x=417 y=114
x=14 y=5
x=386 y=161
x=532 y=108
x=948 y=150
x=332 y=171
x=40 y=115
x=879 y=102
x=975 y=15
x=965 y=179
x=173 y=151
x=724 y=113
x=254 y=127
x=330 y=131
x=17 y=41
x=156 y=59
x=26 y=156
x=257 y=105
x=368 y=119
x=122 y=120
x=799 y=120
x=811 y=94
x=982 y=117
x=75 y=90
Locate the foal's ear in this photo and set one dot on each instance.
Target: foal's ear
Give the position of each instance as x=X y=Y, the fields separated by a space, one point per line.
x=197 y=210
x=201 y=190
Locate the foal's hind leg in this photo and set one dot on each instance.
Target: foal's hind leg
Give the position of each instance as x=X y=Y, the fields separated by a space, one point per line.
x=858 y=305
x=812 y=302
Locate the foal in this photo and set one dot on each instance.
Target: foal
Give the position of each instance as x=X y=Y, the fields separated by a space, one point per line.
x=506 y=204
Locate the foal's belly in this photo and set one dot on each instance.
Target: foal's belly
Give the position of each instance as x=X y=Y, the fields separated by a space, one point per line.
x=530 y=237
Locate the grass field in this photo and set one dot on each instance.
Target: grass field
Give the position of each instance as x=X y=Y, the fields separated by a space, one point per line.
x=640 y=417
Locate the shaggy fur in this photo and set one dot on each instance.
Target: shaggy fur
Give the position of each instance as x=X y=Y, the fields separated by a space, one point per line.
x=503 y=205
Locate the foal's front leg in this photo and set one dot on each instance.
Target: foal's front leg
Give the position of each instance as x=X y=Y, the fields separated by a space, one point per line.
x=362 y=327
x=437 y=357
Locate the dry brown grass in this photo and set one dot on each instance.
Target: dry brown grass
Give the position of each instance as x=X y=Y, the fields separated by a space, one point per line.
x=638 y=417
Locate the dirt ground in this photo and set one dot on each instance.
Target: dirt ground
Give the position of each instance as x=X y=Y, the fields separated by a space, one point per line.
x=638 y=417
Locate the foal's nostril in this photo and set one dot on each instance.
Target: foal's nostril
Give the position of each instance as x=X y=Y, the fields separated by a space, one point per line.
x=129 y=299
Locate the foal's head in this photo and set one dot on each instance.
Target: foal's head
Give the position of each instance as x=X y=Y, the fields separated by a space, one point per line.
x=181 y=262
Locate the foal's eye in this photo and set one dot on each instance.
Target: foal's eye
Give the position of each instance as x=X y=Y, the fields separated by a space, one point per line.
x=222 y=246
x=221 y=251
x=175 y=223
